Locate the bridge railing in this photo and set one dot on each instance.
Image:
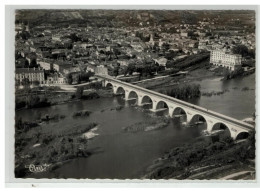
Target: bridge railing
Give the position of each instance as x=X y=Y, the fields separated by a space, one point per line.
x=191 y=106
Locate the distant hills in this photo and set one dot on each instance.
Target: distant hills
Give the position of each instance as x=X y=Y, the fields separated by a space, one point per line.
x=129 y=17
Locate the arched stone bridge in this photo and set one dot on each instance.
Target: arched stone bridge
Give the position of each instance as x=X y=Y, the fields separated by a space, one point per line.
x=176 y=107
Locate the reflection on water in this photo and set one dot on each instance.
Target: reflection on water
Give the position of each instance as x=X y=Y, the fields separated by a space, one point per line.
x=119 y=154
x=235 y=102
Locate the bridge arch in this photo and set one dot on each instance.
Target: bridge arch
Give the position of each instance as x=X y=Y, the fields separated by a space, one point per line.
x=242 y=135
x=109 y=85
x=132 y=95
x=199 y=119
x=162 y=108
x=147 y=100
x=161 y=105
x=221 y=126
x=120 y=91
x=180 y=112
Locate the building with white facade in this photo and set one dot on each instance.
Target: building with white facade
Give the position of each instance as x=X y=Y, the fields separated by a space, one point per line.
x=32 y=74
x=46 y=64
x=101 y=70
x=224 y=59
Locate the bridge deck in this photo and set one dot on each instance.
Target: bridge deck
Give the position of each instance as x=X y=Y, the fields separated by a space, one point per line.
x=186 y=104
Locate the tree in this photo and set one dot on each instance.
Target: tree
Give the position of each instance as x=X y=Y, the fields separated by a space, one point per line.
x=69 y=78
x=36 y=83
x=25 y=82
x=131 y=69
x=251 y=53
x=166 y=46
x=240 y=49
x=33 y=64
x=74 y=37
x=84 y=76
x=79 y=92
x=140 y=70
x=32 y=101
x=116 y=71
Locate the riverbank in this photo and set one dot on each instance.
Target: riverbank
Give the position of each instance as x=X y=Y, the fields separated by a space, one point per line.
x=39 y=144
x=199 y=72
x=32 y=99
x=206 y=158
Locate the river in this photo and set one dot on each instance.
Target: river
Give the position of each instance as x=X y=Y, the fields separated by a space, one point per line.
x=118 y=154
x=234 y=102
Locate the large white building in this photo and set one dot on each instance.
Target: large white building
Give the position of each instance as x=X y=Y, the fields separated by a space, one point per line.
x=224 y=59
x=32 y=74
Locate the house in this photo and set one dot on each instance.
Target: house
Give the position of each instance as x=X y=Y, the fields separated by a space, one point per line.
x=91 y=68
x=184 y=34
x=46 y=64
x=56 y=37
x=161 y=61
x=55 y=79
x=101 y=70
x=195 y=51
x=68 y=70
x=30 y=57
x=60 y=65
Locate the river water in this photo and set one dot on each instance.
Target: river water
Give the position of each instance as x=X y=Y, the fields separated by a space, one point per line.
x=234 y=102
x=118 y=154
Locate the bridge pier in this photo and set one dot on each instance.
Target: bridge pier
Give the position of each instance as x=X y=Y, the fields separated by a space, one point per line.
x=171 y=109
x=114 y=90
x=103 y=83
x=126 y=94
x=139 y=101
x=154 y=106
x=189 y=117
x=209 y=127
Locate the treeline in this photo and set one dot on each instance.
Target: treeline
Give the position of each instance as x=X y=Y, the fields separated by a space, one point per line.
x=32 y=101
x=183 y=91
x=188 y=61
x=148 y=68
x=75 y=77
x=244 y=51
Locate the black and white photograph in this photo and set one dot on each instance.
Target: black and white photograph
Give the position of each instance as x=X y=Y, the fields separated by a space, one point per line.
x=146 y=94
